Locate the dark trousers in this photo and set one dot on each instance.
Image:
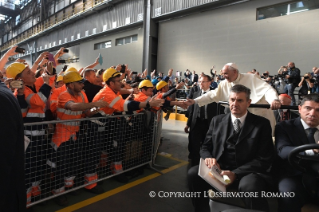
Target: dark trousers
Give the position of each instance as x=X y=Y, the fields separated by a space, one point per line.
x=290 y=88
x=35 y=160
x=249 y=183
x=196 y=138
x=292 y=184
x=68 y=161
x=91 y=139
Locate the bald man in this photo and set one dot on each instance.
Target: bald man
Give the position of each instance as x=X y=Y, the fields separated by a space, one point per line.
x=261 y=92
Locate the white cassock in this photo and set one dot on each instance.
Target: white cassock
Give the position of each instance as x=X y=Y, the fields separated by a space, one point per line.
x=261 y=93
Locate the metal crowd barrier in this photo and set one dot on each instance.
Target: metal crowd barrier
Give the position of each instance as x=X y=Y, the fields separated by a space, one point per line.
x=102 y=147
x=267 y=106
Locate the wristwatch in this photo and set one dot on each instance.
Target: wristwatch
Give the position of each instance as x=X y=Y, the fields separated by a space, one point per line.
x=148 y=106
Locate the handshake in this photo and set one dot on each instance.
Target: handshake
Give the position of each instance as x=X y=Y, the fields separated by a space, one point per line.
x=186 y=103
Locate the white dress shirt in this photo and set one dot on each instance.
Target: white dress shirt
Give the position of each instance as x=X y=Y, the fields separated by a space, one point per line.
x=241 y=119
x=306 y=126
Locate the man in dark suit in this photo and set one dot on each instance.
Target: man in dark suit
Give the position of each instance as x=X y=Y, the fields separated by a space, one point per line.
x=199 y=119
x=290 y=134
x=240 y=143
x=284 y=114
x=12 y=184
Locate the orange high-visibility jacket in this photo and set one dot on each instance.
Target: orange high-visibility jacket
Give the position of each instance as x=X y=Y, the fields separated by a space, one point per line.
x=35 y=98
x=64 y=131
x=115 y=100
x=54 y=98
x=141 y=97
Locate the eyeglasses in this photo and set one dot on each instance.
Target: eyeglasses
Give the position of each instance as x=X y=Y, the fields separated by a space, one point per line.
x=202 y=81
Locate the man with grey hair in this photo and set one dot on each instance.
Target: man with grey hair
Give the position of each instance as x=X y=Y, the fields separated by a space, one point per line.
x=261 y=92
x=240 y=145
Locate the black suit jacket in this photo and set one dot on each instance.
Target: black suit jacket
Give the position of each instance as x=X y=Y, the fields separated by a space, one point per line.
x=289 y=134
x=254 y=149
x=12 y=184
x=293 y=115
x=194 y=109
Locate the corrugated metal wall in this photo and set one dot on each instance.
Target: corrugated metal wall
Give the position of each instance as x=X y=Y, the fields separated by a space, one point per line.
x=117 y=17
x=162 y=7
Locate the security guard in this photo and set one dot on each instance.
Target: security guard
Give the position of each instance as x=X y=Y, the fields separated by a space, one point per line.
x=111 y=94
x=67 y=143
x=32 y=98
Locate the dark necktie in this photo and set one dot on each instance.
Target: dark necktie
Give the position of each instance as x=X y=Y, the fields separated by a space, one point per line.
x=237 y=125
x=202 y=111
x=310 y=135
x=285 y=116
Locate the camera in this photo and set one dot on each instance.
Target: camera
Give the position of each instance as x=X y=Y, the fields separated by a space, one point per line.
x=306 y=77
x=16 y=84
x=66 y=50
x=20 y=50
x=64 y=68
x=123 y=68
x=61 y=61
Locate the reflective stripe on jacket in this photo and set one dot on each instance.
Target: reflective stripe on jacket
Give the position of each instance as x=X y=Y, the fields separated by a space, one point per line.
x=115 y=100
x=64 y=131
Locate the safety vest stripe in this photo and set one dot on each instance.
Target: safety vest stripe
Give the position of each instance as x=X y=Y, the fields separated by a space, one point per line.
x=83 y=100
x=70 y=123
x=50 y=163
x=59 y=190
x=69 y=112
x=91 y=175
x=69 y=181
x=70 y=101
x=53 y=101
x=44 y=99
x=148 y=99
x=36 y=115
x=29 y=98
x=34 y=132
x=114 y=101
x=125 y=106
x=24 y=110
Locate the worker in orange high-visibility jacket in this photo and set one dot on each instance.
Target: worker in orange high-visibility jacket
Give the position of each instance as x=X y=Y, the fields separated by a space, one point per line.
x=55 y=94
x=111 y=94
x=32 y=98
x=67 y=144
x=146 y=92
x=59 y=81
x=164 y=93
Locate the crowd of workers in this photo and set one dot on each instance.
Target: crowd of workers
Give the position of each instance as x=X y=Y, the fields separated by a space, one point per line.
x=44 y=94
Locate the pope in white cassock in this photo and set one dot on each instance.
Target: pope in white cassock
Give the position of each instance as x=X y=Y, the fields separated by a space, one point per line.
x=261 y=92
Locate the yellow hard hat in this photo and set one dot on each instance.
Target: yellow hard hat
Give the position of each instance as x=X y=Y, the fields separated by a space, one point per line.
x=71 y=69
x=111 y=72
x=59 y=78
x=145 y=83
x=160 y=85
x=14 y=69
x=72 y=77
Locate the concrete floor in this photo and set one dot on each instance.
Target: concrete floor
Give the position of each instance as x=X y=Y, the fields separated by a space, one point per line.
x=138 y=197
